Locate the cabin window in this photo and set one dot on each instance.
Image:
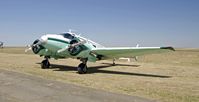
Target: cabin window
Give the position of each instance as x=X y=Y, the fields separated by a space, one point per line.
x=68 y=36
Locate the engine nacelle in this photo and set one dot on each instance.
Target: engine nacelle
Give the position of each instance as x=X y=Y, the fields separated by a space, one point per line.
x=74 y=50
x=36 y=48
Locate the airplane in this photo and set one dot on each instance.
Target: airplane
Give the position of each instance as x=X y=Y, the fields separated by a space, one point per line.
x=72 y=45
x=1 y=44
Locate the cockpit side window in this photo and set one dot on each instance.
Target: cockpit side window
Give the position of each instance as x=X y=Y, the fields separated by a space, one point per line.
x=68 y=36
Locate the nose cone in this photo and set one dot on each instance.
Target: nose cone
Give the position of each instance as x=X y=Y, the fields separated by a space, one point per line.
x=44 y=39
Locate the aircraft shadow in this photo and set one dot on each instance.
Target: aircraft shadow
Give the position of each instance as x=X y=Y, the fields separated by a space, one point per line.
x=99 y=69
x=128 y=65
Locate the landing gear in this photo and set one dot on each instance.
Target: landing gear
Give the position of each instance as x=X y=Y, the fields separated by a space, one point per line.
x=45 y=63
x=82 y=67
x=113 y=62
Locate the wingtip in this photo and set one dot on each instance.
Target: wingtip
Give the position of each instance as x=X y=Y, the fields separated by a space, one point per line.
x=169 y=48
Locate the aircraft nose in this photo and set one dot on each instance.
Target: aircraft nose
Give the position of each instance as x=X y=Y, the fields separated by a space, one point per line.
x=44 y=39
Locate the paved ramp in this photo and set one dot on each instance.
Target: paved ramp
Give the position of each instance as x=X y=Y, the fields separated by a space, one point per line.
x=17 y=87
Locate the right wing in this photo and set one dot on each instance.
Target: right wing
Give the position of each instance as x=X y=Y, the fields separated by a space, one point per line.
x=117 y=52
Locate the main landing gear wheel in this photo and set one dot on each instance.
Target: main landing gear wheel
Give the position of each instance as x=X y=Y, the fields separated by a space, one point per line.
x=82 y=68
x=45 y=64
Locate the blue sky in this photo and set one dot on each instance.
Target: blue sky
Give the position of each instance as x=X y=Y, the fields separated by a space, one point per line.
x=108 y=22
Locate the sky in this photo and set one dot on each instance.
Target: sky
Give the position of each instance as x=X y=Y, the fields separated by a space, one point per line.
x=108 y=22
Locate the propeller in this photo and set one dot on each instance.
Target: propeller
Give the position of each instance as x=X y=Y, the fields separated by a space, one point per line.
x=29 y=47
x=71 y=46
x=63 y=49
x=35 y=44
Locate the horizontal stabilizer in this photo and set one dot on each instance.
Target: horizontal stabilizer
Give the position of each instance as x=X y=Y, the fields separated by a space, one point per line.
x=169 y=48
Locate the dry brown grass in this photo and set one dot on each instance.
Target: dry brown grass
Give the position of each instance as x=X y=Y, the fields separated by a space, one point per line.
x=166 y=77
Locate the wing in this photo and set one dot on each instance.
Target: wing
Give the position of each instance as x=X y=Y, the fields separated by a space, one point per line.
x=106 y=53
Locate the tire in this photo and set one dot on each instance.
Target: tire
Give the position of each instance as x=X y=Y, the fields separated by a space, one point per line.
x=82 y=68
x=45 y=64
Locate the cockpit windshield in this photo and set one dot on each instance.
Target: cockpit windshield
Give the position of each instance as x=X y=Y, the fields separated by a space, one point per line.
x=68 y=36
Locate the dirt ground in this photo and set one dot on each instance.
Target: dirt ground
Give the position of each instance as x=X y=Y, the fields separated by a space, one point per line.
x=19 y=87
x=165 y=77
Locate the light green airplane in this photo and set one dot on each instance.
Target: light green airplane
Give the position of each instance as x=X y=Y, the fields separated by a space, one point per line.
x=71 y=45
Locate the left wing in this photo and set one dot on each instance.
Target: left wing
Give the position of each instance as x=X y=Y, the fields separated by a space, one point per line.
x=116 y=52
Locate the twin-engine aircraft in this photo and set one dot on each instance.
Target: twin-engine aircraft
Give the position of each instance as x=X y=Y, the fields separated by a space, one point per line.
x=1 y=44
x=71 y=45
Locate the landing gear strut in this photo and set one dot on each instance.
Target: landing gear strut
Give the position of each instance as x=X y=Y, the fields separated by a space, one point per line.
x=45 y=63
x=82 y=67
x=113 y=62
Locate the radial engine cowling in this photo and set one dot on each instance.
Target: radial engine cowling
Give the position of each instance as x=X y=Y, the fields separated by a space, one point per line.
x=75 y=48
x=36 y=47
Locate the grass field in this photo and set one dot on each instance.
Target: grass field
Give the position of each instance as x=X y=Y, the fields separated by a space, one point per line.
x=165 y=77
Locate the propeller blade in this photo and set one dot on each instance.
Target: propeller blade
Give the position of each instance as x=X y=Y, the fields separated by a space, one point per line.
x=29 y=48
x=71 y=46
x=79 y=43
x=63 y=49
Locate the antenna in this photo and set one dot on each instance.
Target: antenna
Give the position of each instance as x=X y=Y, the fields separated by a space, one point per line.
x=79 y=34
x=70 y=31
